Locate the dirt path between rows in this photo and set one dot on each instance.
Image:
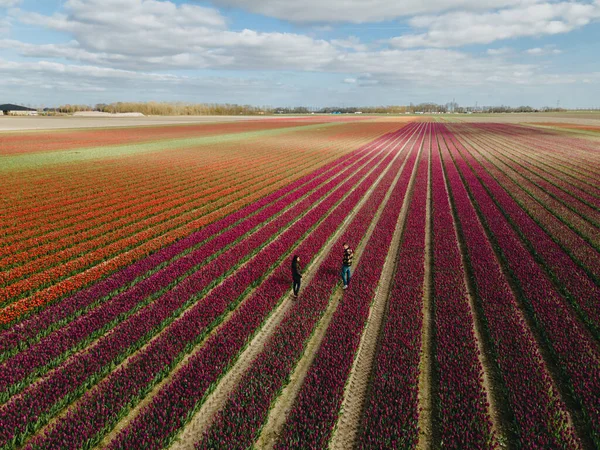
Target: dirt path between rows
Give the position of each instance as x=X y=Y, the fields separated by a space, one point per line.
x=427 y=381
x=218 y=398
x=347 y=428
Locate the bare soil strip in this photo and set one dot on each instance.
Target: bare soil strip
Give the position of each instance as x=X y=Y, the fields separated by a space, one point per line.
x=573 y=410
x=498 y=410
x=348 y=425
x=283 y=404
x=427 y=378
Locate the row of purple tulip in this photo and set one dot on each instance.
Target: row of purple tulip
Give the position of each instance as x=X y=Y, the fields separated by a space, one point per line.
x=538 y=414
x=40 y=398
x=237 y=425
x=100 y=409
x=391 y=414
x=575 y=350
x=574 y=281
x=173 y=405
x=313 y=416
x=77 y=333
x=463 y=409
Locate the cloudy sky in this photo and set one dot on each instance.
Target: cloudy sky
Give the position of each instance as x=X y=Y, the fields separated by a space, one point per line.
x=308 y=52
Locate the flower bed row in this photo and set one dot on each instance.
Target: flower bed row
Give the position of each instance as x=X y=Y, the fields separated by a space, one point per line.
x=122 y=280
x=93 y=177
x=573 y=280
x=25 y=364
x=101 y=408
x=575 y=351
x=391 y=414
x=539 y=415
x=79 y=280
x=240 y=421
x=316 y=408
x=464 y=421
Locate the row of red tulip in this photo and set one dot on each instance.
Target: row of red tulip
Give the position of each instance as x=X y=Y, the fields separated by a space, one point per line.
x=571 y=154
x=464 y=421
x=566 y=338
x=316 y=409
x=538 y=414
x=238 y=424
x=104 y=406
x=158 y=219
x=391 y=414
x=542 y=182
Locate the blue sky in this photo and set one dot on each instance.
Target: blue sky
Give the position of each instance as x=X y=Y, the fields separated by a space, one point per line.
x=313 y=53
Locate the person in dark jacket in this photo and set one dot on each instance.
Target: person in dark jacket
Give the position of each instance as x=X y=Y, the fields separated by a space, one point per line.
x=296 y=274
x=346 y=264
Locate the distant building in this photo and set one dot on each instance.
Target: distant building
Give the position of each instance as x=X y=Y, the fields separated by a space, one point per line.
x=17 y=110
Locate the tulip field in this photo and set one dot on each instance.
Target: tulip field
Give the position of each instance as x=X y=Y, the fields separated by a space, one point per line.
x=145 y=285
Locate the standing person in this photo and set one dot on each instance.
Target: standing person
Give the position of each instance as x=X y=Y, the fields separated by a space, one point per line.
x=296 y=275
x=346 y=264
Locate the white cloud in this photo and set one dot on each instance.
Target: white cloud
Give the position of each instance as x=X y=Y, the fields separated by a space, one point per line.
x=9 y=3
x=463 y=28
x=541 y=51
x=352 y=43
x=350 y=80
x=358 y=11
x=499 y=51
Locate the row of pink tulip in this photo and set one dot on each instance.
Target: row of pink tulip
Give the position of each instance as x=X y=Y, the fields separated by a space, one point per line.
x=237 y=425
x=574 y=349
x=103 y=407
x=538 y=417
x=464 y=421
x=316 y=409
x=393 y=398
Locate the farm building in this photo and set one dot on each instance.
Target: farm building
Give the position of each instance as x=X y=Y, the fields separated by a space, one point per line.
x=16 y=110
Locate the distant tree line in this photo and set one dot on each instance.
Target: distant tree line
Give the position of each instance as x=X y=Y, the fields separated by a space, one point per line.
x=216 y=109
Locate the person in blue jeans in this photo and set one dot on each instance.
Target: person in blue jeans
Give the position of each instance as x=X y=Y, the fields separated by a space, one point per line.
x=346 y=264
